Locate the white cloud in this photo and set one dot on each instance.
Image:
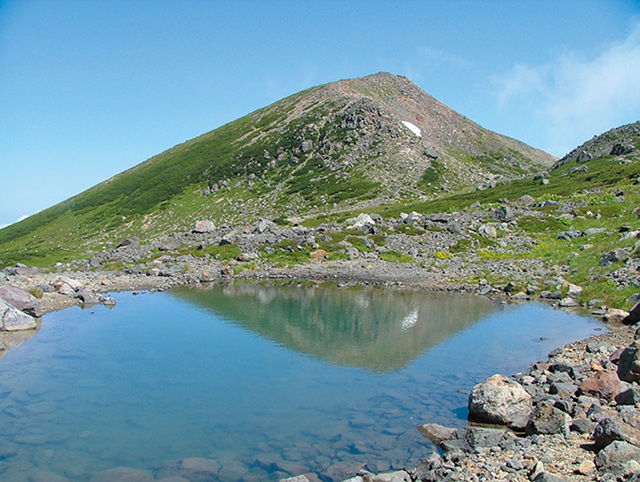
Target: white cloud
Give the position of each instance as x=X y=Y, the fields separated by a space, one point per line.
x=575 y=98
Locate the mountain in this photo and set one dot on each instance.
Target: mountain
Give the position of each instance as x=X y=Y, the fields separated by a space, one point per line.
x=350 y=144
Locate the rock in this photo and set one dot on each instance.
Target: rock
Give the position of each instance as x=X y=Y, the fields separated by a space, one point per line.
x=470 y=439
x=591 y=231
x=573 y=291
x=500 y=400
x=526 y=199
x=43 y=476
x=629 y=363
x=616 y=458
x=203 y=226
x=135 y=241
x=568 y=302
x=624 y=426
x=436 y=433
x=297 y=478
x=398 y=476
x=245 y=257
x=604 y=384
x=226 y=271
x=614 y=256
x=122 y=474
x=263 y=226
x=548 y=420
x=574 y=170
x=547 y=477
x=16 y=320
x=21 y=300
x=569 y=235
x=634 y=315
x=621 y=149
x=71 y=283
x=502 y=214
x=487 y=231
x=365 y=223
x=87 y=297
x=551 y=295
x=630 y=396
x=318 y=254
x=615 y=315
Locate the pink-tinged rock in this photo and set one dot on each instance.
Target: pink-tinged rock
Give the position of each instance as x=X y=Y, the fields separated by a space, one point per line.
x=604 y=384
x=204 y=226
x=500 y=400
x=318 y=254
x=21 y=299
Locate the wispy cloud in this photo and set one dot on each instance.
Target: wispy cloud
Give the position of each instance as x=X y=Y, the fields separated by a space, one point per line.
x=574 y=98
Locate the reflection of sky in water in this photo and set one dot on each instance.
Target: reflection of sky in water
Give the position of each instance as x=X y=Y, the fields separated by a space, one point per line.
x=231 y=374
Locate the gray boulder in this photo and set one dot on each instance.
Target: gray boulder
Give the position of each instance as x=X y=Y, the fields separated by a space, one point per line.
x=548 y=420
x=629 y=363
x=624 y=426
x=614 y=256
x=12 y=319
x=500 y=400
x=619 y=458
x=21 y=300
x=502 y=213
x=634 y=315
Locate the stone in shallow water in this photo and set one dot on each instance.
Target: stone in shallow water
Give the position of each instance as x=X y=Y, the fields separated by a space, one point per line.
x=123 y=474
x=43 y=476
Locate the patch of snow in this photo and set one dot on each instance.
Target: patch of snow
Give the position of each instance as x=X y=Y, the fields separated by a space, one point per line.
x=413 y=128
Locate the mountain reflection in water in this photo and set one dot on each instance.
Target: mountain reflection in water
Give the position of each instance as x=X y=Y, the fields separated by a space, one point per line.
x=370 y=328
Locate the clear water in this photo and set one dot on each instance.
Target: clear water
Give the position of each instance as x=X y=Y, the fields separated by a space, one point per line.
x=266 y=381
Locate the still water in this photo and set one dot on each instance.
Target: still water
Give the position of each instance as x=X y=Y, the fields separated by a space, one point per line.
x=266 y=381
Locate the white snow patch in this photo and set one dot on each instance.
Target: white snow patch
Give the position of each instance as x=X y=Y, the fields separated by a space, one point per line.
x=413 y=128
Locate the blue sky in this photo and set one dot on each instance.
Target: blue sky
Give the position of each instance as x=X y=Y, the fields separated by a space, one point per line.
x=91 y=88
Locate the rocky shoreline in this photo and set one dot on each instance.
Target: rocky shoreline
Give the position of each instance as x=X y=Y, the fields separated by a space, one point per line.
x=578 y=414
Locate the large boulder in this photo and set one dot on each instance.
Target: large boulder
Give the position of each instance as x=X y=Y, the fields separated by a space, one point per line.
x=500 y=400
x=624 y=426
x=21 y=300
x=16 y=320
x=619 y=458
x=634 y=315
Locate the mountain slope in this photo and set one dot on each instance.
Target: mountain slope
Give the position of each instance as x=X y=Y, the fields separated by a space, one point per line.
x=348 y=144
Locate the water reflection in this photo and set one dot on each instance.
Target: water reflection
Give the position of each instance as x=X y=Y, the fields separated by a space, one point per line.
x=263 y=382
x=379 y=330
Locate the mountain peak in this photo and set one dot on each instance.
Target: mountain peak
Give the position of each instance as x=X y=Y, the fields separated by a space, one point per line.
x=349 y=144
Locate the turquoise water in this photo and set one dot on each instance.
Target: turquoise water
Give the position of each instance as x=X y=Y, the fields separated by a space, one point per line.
x=266 y=381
